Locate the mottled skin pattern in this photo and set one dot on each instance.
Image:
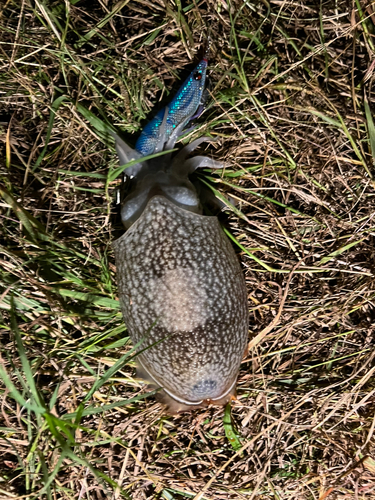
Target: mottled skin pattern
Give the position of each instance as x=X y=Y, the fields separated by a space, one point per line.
x=181 y=285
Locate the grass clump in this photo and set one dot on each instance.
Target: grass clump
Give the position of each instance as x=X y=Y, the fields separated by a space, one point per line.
x=292 y=106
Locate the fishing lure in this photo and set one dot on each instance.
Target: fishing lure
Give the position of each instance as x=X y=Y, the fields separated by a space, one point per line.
x=183 y=108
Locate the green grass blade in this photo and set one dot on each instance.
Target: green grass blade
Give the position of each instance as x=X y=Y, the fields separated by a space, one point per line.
x=118 y=171
x=116 y=9
x=96 y=410
x=230 y=430
x=370 y=127
x=25 y=362
x=340 y=251
x=32 y=227
x=15 y=394
x=55 y=106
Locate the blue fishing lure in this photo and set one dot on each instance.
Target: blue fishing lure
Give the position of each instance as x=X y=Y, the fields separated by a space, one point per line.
x=169 y=123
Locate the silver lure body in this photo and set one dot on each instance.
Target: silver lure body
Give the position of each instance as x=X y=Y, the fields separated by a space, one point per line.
x=181 y=288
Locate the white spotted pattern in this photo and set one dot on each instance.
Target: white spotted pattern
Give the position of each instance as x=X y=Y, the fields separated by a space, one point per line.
x=181 y=286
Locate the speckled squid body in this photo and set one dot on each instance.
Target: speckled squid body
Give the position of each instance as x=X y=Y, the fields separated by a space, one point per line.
x=181 y=288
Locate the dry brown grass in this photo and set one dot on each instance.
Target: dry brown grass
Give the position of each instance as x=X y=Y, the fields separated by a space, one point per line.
x=290 y=81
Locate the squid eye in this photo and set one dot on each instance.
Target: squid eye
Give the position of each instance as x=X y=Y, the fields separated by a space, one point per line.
x=198 y=75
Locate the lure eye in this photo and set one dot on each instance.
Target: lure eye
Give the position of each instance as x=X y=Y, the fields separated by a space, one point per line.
x=197 y=75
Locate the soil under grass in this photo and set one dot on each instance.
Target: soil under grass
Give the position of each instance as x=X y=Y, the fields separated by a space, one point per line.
x=291 y=101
